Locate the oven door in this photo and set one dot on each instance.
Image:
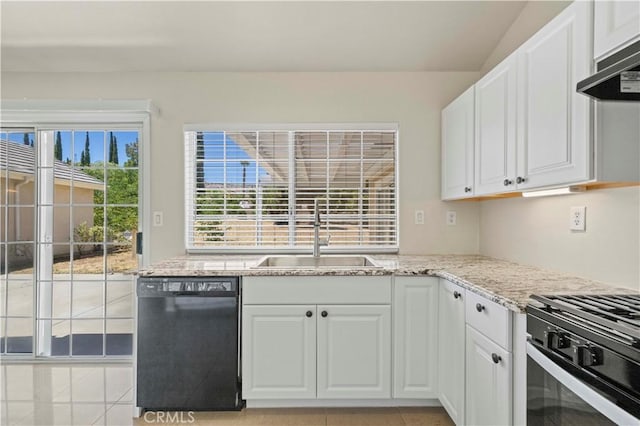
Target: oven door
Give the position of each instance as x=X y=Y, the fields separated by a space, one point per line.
x=555 y=396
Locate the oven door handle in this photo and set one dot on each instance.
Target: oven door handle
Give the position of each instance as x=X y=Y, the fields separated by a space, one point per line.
x=591 y=397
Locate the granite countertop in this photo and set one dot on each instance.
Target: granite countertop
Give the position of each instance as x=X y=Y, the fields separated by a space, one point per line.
x=507 y=283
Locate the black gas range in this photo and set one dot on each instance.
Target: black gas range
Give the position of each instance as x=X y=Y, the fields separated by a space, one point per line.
x=583 y=360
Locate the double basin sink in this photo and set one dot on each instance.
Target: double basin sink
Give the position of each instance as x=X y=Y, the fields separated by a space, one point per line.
x=320 y=262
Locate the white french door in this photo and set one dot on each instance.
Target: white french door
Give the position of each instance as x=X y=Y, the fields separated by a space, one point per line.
x=70 y=217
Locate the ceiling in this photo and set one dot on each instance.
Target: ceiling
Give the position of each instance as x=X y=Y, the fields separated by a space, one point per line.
x=252 y=36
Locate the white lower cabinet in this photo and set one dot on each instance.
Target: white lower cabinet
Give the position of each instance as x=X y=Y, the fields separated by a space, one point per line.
x=475 y=362
x=279 y=351
x=304 y=338
x=354 y=351
x=313 y=343
x=451 y=353
x=415 y=334
x=352 y=343
x=488 y=381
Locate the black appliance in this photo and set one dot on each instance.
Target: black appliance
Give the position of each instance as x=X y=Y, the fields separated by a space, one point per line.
x=617 y=77
x=583 y=360
x=188 y=343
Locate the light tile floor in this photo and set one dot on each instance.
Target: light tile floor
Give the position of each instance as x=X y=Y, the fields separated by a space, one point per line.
x=66 y=394
x=102 y=394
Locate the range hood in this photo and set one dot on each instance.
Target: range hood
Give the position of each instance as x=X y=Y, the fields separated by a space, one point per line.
x=617 y=77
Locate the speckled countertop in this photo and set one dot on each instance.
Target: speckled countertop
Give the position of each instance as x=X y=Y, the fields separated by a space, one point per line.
x=507 y=283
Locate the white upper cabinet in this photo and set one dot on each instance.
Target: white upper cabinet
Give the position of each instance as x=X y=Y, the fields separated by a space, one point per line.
x=554 y=138
x=495 y=124
x=615 y=24
x=457 y=147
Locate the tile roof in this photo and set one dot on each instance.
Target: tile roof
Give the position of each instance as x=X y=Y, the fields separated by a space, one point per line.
x=22 y=159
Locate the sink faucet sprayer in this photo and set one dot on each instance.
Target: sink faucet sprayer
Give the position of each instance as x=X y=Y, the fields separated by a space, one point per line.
x=317 y=242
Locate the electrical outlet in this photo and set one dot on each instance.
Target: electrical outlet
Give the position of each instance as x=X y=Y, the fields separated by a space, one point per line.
x=419 y=217
x=577 y=218
x=451 y=218
x=158 y=219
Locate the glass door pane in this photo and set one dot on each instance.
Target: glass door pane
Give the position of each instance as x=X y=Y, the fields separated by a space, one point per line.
x=17 y=239
x=68 y=219
x=94 y=219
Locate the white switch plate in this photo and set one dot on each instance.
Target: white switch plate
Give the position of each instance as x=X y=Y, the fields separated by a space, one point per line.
x=577 y=218
x=451 y=217
x=158 y=219
x=419 y=217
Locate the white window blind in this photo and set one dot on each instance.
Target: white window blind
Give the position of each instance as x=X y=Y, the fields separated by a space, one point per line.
x=255 y=190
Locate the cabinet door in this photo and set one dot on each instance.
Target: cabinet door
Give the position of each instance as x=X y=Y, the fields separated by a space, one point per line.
x=451 y=340
x=615 y=24
x=488 y=388
x=495 y=141
x=278 y=351
x=457 y=147
x=554 y=138
x=354 y=351
x=415 y=318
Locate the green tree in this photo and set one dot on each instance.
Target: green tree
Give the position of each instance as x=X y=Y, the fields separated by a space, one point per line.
x=85 y=159
x=57 y=149
x=110 y=147
x=199 y=164
x=122 y=189
x=113 y=149
x=25 y=139
x=115 y=159
x=131 y=149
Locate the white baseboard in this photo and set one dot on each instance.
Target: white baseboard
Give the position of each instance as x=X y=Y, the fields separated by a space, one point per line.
x=295 y=403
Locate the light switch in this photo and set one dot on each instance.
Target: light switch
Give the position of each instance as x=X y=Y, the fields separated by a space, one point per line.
x=158 y=219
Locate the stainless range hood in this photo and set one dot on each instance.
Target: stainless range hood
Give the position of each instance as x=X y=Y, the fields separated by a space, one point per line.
x=617 y=77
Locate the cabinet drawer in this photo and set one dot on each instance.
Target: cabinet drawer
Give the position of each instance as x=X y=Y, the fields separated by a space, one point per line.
x=489 y=318
x=316 y=290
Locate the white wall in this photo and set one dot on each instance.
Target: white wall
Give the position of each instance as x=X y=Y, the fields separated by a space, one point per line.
x=535 y=231
x=414 y=100
x=532 y=17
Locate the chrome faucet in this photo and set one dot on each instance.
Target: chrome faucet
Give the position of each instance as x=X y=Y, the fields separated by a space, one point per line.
x=317 y=242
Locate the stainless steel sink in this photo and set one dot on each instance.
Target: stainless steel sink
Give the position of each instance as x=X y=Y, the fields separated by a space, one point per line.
x=310 y=262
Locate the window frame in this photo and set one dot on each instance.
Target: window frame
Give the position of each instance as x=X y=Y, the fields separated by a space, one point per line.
x=190 y=165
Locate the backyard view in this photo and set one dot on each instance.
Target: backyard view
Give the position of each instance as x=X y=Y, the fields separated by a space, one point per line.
x=70 y=205
x=257 y=189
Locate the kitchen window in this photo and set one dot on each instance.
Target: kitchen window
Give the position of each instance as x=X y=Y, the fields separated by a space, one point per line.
x=254 y=190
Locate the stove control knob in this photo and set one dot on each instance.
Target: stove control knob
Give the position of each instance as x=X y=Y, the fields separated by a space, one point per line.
x=587 y=356
x=557 y=340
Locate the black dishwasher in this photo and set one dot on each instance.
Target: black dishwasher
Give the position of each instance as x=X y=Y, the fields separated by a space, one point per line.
x=187 y=352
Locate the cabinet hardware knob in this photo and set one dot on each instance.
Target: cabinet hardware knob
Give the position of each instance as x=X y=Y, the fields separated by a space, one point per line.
x=496 y=358
x=467 y=189
x=309 y=314
x=324 y=314
x=456 y=295
x=508 y=182
x=520 y=179
x=479 y=307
